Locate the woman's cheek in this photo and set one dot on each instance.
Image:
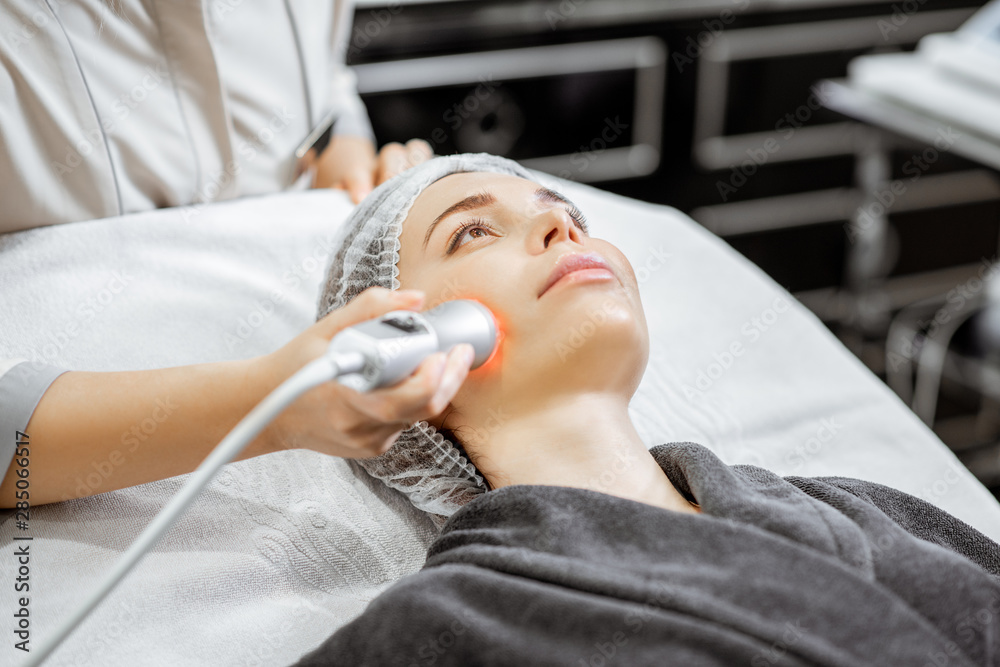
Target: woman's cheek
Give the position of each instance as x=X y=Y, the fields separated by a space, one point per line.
x=460 y=284
x=620 y=261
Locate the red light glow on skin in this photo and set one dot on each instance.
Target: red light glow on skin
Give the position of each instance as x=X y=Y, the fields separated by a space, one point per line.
x=495 y=359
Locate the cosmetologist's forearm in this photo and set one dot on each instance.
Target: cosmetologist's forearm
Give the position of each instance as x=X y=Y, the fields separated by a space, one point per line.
x=93 y=432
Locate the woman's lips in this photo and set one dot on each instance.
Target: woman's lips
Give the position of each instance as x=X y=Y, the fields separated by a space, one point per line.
x=581 y=267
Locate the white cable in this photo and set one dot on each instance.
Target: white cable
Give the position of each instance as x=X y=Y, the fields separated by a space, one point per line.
x=315 y=373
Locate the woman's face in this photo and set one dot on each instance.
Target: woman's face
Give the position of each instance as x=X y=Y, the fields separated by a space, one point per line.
x=497 y=239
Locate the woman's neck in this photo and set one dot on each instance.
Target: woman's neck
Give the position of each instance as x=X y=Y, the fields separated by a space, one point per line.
x=584 y=440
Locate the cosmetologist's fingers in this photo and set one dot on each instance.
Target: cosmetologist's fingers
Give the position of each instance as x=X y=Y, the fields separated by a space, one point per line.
x=418 y=151
x=367 y=305
x=359 y=183
x=422 y=395
x=392 y=159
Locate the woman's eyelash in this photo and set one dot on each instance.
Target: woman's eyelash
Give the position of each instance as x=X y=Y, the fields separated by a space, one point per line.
x=457 y=236
x=578 y=217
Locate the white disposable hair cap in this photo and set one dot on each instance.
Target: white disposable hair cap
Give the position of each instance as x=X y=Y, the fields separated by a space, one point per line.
x=425 y=466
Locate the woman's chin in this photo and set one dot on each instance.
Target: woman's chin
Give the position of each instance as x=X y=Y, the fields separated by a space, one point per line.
x=591 y=318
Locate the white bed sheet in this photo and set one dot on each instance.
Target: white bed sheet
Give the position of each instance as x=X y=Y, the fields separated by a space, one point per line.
x=283 y=549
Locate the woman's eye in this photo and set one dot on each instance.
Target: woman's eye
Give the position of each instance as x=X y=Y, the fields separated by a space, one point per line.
x=478 y=228
x=470 y=228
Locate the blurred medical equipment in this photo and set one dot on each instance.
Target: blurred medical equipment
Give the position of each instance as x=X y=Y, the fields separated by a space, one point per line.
x=366 y=356
x=948 y=344
x=944 y=98
x=953 y=335
x=972 y=52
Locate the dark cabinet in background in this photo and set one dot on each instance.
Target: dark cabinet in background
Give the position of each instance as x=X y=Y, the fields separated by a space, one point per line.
x=703 y=105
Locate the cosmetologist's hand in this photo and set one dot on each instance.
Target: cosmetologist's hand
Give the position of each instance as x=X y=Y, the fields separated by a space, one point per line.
x=350 y=163
x=334 y=419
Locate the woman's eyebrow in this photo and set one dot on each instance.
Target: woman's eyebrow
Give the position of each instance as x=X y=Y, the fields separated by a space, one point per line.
x=545 y=194
x=483 y=199
x=470 y=203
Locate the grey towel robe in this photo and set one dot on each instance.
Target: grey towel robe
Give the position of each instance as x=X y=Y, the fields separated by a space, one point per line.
x=774 y=571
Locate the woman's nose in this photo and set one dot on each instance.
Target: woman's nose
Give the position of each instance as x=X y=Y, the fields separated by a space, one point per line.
x=555 y=225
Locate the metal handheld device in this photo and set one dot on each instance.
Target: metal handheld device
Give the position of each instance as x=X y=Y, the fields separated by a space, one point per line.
x=366 y=356
x=393 y=345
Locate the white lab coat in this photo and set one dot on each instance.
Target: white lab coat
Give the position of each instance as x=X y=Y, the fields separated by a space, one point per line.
x=164 y=103
x=157 y=103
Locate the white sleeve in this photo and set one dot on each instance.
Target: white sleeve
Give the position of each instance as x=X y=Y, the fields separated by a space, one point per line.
x=353 y=117
x=22 y=384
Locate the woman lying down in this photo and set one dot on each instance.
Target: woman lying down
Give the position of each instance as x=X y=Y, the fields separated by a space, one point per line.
x=565 y=541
